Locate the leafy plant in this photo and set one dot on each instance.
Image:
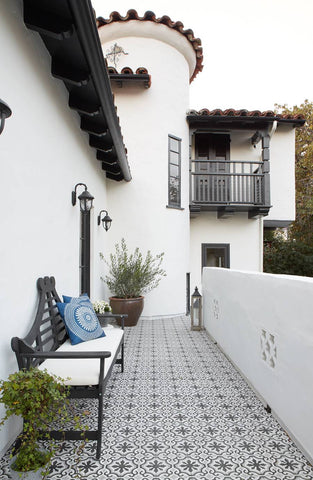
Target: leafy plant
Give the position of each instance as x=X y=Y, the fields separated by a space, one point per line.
x=40 y=399
x=130 y=274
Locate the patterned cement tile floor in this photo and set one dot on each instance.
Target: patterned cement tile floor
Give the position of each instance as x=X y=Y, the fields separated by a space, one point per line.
x=181 y=411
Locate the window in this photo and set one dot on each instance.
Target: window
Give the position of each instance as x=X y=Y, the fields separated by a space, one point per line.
x=174 y=180
x=215 y=255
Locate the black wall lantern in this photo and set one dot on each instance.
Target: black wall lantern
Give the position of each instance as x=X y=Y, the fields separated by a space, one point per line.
x=85 y=198
x=196 y=310
x=5 y=112
x=106 y=220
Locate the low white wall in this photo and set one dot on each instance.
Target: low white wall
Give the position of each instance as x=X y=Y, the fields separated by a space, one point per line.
x=263 y=323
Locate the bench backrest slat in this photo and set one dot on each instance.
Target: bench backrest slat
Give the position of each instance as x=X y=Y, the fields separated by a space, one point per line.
x=48 y=330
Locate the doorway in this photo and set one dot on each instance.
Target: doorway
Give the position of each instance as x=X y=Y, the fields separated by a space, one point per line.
x=212 y=167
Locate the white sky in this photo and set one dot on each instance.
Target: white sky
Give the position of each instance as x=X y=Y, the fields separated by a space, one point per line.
x=256 y=52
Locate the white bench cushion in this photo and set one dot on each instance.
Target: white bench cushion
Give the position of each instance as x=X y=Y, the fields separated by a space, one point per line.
x=85 y=371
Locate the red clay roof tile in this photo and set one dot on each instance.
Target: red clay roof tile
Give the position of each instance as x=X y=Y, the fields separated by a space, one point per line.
x=245 y=113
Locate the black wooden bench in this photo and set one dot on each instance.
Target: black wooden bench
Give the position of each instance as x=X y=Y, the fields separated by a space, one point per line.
x=88 y=364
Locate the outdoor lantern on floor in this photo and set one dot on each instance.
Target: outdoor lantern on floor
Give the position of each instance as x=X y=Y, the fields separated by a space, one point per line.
x=84 y=198
x=106 y=220
x=196 y=310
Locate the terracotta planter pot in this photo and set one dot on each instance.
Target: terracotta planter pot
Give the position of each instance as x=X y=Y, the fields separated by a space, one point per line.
x=131 y=306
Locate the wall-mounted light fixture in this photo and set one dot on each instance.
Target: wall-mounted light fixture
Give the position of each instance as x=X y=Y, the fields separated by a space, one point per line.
x=84 y=198
x=5 y=112
x=256 y=138
x=106 y=220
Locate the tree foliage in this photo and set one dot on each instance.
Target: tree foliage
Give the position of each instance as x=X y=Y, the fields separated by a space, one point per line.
x=288 y=256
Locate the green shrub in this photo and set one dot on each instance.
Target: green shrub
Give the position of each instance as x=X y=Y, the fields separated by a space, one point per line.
x=40 y=399
x=290 y=257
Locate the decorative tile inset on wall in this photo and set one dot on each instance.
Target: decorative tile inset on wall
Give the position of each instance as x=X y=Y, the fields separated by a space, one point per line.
x=268 y=348
x=216 y=309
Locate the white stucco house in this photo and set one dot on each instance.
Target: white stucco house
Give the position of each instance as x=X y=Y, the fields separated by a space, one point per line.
x=205 y=183
x=198 y=185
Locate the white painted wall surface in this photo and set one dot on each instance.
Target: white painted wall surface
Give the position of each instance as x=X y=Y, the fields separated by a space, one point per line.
x=244 y=235
x=43 y=155
x=282 y=165
x=241 y=148
x=148 y=116
x=238 y=308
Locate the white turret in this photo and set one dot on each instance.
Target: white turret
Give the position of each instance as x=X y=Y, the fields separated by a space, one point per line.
x=152 y=211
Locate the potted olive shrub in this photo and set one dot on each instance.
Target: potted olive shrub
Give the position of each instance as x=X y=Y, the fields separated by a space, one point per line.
x=130 y=277
x=40 y=399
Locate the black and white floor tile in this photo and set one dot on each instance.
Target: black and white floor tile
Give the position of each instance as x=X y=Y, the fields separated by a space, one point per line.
x=180 y=411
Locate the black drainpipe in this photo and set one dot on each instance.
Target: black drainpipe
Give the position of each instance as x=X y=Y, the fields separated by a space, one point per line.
x=85 y=253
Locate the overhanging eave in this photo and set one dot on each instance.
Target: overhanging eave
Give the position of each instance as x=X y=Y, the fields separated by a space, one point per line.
x=69 y=32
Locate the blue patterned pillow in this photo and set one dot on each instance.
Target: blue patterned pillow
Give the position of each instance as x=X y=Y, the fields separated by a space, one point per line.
x=67 y=299
x=81 y=322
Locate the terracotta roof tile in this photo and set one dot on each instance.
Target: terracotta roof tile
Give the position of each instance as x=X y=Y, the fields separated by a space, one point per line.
x=230 y=112
x=127 y=74
x=165 y=20
x=127 y=71
x=142 y=71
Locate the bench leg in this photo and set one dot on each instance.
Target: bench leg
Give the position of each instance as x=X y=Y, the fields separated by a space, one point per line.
x=122 y=357
x=100 y=421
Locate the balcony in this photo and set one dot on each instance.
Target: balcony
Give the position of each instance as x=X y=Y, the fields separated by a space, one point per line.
x=227 y=186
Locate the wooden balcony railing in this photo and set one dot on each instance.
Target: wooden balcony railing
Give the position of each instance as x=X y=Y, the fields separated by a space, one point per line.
x=227 y=182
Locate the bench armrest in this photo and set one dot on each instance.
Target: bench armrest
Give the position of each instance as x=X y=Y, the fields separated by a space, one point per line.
x=66 y=354
x=122 y=316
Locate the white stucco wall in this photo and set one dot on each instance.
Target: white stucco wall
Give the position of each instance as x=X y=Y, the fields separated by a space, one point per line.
x=282 y=165
x=263 y=323
x=43 y=155
x=147 y=117
x=241 y=148
x=245 y=237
